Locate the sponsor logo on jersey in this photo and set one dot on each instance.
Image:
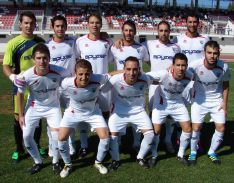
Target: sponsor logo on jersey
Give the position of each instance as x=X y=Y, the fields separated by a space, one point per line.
x=61 y=58
x=160 y=57
x=191 y=51
x=94 y=56
x=122 y=61
x=28 y=57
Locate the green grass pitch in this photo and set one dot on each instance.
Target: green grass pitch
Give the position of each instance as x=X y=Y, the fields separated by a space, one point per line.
x=166 y=170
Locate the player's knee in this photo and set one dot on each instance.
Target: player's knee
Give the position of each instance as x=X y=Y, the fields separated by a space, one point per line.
x=220 y=128
x=149 y=135
x=196 y=128
x=187 y=128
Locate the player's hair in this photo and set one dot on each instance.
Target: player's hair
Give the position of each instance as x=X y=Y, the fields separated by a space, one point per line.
x=58 y=17
x=95 y=15
x=180 y=56
x=212 y=44
x=27 y=14
x=132 y=59
x=82 y=63
x=192 y=14
x=42 y=48
x=164 y=22
x=130 y=23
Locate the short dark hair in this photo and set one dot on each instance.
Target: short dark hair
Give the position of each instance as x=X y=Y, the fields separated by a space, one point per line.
x=95 y=15
x=42 y=48
x=192 y=14
x=27 y=14
x=132 y=59
x=212 y=44
x=164 y=22
x=130 y=23
x=58 y=17
x=180 y=56
x=82 y=63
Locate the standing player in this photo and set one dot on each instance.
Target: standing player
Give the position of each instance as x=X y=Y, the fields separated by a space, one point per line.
x=129 y=107
x=83 y=91
x=97 y=51
x=192 y=43
x=130 y=48
x=17 y=59
x=43 y=81
x=172 y=83
x=63 y=53
x=161 y=53
x=211 y=96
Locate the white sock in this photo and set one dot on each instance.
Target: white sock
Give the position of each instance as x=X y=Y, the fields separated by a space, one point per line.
x=216 y=141
x=184 y=141
x=49 y=137
x=194 y=141
x=114 y=147
x=64 y=151
x=103 y=147
x=154 y=148
x=55 y=150
x=72 y=138
x=31 y=146
x=169 y=131
x=146 y=144
x=136 y=137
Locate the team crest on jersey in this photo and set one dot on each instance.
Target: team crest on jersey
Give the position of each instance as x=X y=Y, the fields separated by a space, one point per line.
x=202 y=42
x=141 y=87
x=86 y=45
x=170 y=84
x=185 y=41
x=138 y=50
x=121 y=88
x=201 y=73
x=157 y=46
x=93 y=90
x=53 y=47
x=218 y=74
x=75 y=93
x=54 y=80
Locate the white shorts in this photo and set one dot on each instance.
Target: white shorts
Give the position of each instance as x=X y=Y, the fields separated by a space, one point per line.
x=154 y=91
x=72 y=118
x=119 y=122
x=34 y=114
x=199 y=111
x=104 y=101
x=177 y=111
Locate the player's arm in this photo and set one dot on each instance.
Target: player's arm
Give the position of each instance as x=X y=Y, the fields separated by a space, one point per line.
x=225 y=96
x=20 y=102
x=8 y=72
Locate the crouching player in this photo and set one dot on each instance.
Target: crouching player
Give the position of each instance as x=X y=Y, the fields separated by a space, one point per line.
x=172 y=83
x=43 y=81
x=211 y=96
x=129 y=90
x=83 y=90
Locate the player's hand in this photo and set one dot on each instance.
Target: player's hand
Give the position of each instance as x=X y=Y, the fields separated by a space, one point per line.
x=21 y=121
x=19 y=81
x=119 y=44
x=224 y=107
x=12 y=77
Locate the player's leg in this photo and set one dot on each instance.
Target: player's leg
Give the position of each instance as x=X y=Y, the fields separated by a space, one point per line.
x=31 y=122
x=103 y=147
x=218 y=117
x=169 y=131
x=83 y=129
x=198 y=113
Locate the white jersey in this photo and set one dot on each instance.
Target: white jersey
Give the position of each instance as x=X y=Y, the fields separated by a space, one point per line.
x=96 y=52
x=128 y=99
x=209 y=82
x=161 y=55
x=43 y=89
x=84 y=100
x=171 y=89
x=63 y=54
x=136 y=50
x=193 y=48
